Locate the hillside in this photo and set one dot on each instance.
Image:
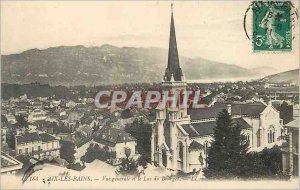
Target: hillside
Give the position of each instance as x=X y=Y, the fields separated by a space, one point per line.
x=291 y=76
x=79 y=65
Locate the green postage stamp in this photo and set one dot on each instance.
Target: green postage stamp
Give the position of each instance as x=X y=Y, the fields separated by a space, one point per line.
x=272 y=26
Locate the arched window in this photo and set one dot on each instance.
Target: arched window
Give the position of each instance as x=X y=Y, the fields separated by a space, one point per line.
x=271 y=135
x=205 y=147
x=180 y=151
x=258 y=137
x=248 y=138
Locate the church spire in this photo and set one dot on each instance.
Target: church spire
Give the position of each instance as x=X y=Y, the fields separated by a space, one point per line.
x=173 y=67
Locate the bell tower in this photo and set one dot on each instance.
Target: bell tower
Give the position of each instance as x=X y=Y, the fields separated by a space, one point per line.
x=164 y=140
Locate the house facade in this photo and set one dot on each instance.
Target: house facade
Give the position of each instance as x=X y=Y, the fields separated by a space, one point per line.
x=39 y=145
x=115 y=140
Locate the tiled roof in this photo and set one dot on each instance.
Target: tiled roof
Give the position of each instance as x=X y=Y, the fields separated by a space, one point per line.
x=45 y=137
x=111 y=136
x=28 y=137
x=207 y=128
x=78 y=139
x=35 y=137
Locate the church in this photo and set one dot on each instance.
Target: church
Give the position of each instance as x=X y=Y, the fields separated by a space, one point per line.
x=181 y=137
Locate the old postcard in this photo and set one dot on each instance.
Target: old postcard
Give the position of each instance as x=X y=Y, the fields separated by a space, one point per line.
x=149 y=94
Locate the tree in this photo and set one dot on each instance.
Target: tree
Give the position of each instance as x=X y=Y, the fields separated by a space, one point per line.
x=265 y=164
x=227 y=153
x=22 y=122
x=286 y=112
x=10 y=138
x=142 y=132
x=67 y=151
x=126 y=114
x=3 y=119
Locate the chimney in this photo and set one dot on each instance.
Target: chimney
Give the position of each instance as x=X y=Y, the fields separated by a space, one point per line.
x=229 y=109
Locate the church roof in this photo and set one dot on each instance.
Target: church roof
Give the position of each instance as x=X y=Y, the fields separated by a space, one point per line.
x=205 y=113
x=293 y=124
x=173 y=67
x=250 y=109
x=207 y=128
x=196 y=146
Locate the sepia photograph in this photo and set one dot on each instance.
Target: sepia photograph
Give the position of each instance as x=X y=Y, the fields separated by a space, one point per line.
x=149 y=94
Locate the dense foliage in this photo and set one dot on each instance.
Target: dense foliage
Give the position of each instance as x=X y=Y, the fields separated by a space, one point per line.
x=228 y=157
x=142 y=132
x=67 y=151
x=96 y=152
x=227 y=153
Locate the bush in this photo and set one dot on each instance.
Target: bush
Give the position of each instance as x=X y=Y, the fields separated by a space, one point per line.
x=95 y=152
x=264 y=164
x=127 y=167
x=67 y=151
x=76 y=166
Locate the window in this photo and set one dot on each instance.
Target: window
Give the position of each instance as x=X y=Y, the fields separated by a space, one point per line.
x=248 y=138
x=26 y=150
x=271 y=135
x=180 y=151
x=258 y=138
x=20 y=151
x=205 y=147
x=32 y=150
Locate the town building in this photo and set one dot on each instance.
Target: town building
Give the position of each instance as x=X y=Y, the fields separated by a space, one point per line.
x=39 y=145
x=37 y=115
x=115 y=140
x=9 y=165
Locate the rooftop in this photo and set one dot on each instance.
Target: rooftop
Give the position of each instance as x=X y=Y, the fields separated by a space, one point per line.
x=249 y=109
x=293 y=124
x=9 y=162
x=35 y=137
x=207 y=128
x=111 y=136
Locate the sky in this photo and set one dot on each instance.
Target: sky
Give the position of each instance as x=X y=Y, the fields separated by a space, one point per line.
x=209 y=29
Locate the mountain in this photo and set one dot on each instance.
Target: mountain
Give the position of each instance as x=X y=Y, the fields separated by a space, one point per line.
x=79 y=65
x=265 y=71
x=291 y=76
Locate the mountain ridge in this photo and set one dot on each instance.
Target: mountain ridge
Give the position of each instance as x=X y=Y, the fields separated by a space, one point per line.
x=291 y=76
x=107 y=64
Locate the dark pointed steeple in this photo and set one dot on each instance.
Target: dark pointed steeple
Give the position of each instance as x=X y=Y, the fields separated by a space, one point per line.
x=173 y=67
